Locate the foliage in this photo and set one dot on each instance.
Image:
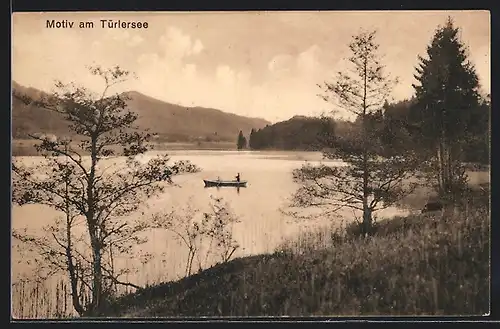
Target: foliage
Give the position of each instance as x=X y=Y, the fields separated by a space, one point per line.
x=297 y=133
x=399 y=133
x=94 y=189
x=214 y=227
x=242 y=141
x=368 y=182
x=477 y=148
x=447 y=105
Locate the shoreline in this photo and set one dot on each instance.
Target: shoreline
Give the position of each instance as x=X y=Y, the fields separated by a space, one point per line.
x=26 y=147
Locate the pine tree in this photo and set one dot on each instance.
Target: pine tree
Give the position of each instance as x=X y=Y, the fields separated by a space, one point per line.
x=251 y=140
x=369 y=182
x=242 y=141
x=446 y=96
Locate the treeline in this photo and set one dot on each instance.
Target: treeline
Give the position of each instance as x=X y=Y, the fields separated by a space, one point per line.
x=401 y=127
x=397 y=125
x=297 y=133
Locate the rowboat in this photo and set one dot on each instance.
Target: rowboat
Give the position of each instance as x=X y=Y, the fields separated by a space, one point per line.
x=224 y=183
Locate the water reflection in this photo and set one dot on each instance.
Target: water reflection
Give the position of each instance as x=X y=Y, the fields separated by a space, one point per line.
x=237 y=188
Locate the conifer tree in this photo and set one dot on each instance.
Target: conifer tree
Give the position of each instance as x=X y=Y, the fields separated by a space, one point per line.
x=445 y=100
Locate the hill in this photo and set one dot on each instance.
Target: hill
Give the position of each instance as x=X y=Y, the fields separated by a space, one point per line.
x=298 y=133
x=178 y=123
x=30 y=119
x=172 y=123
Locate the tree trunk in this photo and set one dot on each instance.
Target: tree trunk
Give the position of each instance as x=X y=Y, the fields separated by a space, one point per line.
x=94 y=234
x=73 y=275
x=444 y=164
x=451 y=172
x=97 y=295
x=190 y=262
x=367 y=216
x=449 y=163
x=72 y=269
x=440 y=176
x=447 y=168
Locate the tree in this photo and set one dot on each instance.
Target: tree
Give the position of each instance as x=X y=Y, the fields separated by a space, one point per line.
x=242 y=141
x=80 y=179
x=445 y=101
x=397 y=131
x=368 y=182
x=215 y=227
x=251 y=140
x=478 y=147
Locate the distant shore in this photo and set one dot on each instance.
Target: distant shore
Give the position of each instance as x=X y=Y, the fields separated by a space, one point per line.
x=26 y=147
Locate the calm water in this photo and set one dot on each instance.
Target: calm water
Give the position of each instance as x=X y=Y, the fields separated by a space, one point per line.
x=262 y=228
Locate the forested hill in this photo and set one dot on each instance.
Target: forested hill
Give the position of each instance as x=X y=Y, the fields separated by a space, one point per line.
x=395 y=128
x=172 y=123
x=297 y=133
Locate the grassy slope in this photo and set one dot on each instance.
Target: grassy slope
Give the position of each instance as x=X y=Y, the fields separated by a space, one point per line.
x=432 y=264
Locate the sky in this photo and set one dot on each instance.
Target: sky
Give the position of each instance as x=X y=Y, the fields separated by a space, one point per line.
x=257 y=64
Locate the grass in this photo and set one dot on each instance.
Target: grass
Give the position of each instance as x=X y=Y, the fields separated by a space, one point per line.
x=38 y=300
x=433 y=264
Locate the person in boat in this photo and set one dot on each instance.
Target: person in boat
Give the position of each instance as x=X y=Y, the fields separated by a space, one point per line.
x=238 y=177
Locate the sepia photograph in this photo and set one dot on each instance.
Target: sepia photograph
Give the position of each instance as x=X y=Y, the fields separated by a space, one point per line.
x=250 y=164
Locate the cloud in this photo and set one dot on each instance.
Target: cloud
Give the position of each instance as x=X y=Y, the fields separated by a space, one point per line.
x=135 y=40
x=176 y=44
x=189 y=71
x=169 y=73
x=125 y=37
x=197 y=47
x=119 y=35
x=305 y=64
x=281 y=64
x=225 y=75
x=308 y=61
x=41 y=58
x=172 y=74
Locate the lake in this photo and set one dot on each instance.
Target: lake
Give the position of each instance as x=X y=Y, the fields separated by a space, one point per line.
x=262 y=226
